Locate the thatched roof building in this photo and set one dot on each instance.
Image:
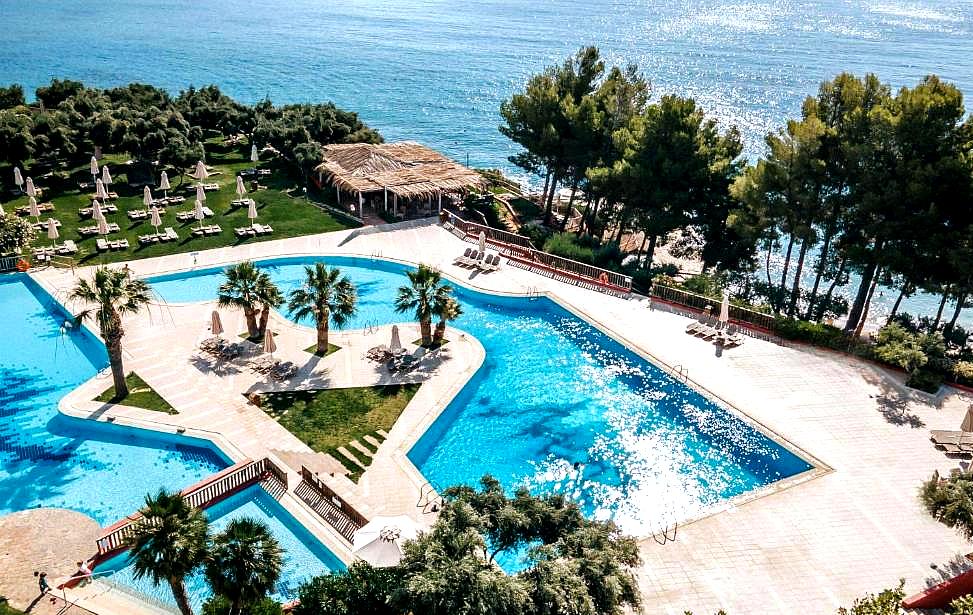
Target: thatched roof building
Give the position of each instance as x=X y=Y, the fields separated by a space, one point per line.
x=406 y=169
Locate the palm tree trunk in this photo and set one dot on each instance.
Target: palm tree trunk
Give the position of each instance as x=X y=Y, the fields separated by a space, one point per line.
x=113 y=343
x=440 y=332
x=264 y=317
x=181 y=595
x=323 y=337
x=425 y=328
x=251 y=315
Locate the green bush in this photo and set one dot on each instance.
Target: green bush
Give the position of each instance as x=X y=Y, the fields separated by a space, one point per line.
x=961 y=606
x=950 y=500
x=221 y=606
x=885 y=603
x=925 y=380
x=585 y=250
x=962 y=372
x=816 y=333
x=704 y=284
x=537 y=233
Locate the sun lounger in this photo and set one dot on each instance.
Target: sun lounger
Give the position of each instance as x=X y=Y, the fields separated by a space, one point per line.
x=102 y=245
x=171 y=234
x=243 y=231
x=491 y=263
x=941 y=437
x=699 y=322
x=68 y=247
x=463 y=257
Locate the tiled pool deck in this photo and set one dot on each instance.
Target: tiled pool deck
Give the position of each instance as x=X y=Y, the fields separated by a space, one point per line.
x=809 y=548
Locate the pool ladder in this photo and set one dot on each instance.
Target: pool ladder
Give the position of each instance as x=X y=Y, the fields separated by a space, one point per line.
x=666 y=530
x=680 y=371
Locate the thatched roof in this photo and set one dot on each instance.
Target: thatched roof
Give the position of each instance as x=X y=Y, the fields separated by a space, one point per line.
x=407 y=169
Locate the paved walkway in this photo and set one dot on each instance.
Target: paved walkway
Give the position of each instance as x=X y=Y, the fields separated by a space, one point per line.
x=805 y=549
x=47 y=540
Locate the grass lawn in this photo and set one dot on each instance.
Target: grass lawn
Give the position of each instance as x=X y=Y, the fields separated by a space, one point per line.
x=527 y=210
x=327 y=419
x=289 y=216
x=140 y=395
x=312 y=349
x=6 y=609
x=432 y=345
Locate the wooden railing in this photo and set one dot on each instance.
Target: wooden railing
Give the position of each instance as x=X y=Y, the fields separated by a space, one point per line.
x=204 y=493
x=700 y=302
x=329 y=505
x=522 y=253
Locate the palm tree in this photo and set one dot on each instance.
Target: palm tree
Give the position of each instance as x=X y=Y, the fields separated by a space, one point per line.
x=244 y=563
x=251 y=290
x=111 y=294
x=446 y=308
x=169 y=542
x=239 y=289
x=270 y=297
x=421 y=296
x=327 y=296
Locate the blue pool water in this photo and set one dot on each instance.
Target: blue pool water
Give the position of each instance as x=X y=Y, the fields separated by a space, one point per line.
x=554 y=391
x=304 y=556
x=47 y=459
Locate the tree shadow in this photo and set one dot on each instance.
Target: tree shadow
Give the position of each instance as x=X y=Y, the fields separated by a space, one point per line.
x=943 y=572
x=895 y=409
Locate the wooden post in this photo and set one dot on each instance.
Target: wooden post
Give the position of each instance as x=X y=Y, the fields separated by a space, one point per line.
x=337 y=194
x=395 y=204
x=440 y=201
x=386 y=191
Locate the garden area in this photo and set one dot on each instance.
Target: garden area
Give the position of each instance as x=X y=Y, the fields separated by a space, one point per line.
x=140 y=395
x=328 y=419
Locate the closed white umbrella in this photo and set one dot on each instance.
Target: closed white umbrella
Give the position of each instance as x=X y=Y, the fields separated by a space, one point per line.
x=146 y=196
x=94 y=168
x=31 y=190
x=252 y=211
x=18 y=179
x=102 y=226
x=2 y=212
x=200 y=173
x=967 y=424
x=482 y=242
x=33 y=208
x=379 y=542
x=200 y=193
x=198 y=213
x=395 y=346
x=106 y=176
x=96 y=212
x=725 y=309
x=52 y=233
x=164 y=184
x=240 y=188
x=155 y=219
x=270 y=346
x=216 y=325
x=100 y=190
x=254 y=156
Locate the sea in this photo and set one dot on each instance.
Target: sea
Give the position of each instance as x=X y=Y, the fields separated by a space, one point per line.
x=436 y=71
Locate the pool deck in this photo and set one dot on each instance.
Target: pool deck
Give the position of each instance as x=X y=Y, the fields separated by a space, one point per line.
x=807 y=546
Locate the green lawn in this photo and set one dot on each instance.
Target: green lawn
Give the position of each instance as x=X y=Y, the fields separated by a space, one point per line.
x=527 y=210
x=6 y=609
x=289 y=216
x=312 y=349
x=327 y=419
x=140 y=395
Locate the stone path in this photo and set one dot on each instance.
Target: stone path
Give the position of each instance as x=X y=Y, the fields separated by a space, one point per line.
x=50 y=540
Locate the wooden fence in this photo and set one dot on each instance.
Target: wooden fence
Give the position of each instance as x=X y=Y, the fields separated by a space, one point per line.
x=522 y=253
x=329 y=505
x=700 y=302
x=204 y=493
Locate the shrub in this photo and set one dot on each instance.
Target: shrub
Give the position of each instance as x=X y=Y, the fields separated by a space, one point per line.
x=221 y=606
x=818 y=334
x=962 y=372
x=961 y=606
x=925 y=380
x=885 y=603
x=569 y=246
x=704 y=284
x=537 y=233
x=950 y=500
x=15 y=233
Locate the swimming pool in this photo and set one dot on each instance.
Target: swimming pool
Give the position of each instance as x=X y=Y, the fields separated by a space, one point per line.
x=304 y=555
x=559 y=406
x=50 y=460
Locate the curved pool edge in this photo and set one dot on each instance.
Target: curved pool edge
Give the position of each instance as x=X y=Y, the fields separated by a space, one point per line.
x=817 y=467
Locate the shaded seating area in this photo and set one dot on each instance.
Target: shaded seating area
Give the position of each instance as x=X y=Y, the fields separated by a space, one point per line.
x=42 y=226
x=484 y=261
x=141 y=214
x=105 y=245
x=213 y=229
x=404 y=179
x=206 y=187
x=186 y=216
x=41 y=207
x=169 y=200
x=63 y=249
x=87 y=231
x=167 y=235
x=87 y=212
x=253 y=230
